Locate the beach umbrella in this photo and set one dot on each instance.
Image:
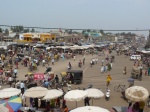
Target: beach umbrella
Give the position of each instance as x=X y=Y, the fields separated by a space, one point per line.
x=75 y=95
x=53 y=94
x=3 y=108
x=9 y=92
x=89 y=109
x=36 y=92
x=13 y=104
x=94 y=93
x=136 y=93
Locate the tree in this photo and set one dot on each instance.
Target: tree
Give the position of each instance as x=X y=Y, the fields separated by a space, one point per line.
x=66 y=31
x=94 y=31
x=11 y=28
x=6 y=32
x=88 y=30
x=148 y=42
x=86 y=36
x=17 y=28
x=83 y=31
x=32 y=30
x=26 y=30
x=70 y=31
x=123 y=33
x=102 y=32
x=1 y=30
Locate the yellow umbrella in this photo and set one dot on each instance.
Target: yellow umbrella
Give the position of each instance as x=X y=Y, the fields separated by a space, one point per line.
x=29 y=73
x=63 y=74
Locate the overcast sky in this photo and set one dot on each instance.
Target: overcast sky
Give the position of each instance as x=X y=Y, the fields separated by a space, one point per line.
x=95 y=14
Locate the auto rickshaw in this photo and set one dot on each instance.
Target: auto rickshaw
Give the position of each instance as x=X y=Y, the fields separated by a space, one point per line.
x=135 y=73
x=8 y=73
x=63 y=76
x=48 y=69
x=20 y=55
x=75 y=76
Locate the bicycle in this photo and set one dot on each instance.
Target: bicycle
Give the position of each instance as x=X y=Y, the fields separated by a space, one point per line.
x=119 y=88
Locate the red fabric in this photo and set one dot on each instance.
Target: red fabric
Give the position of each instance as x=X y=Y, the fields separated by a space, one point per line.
x=10 y=109
x=39 y=76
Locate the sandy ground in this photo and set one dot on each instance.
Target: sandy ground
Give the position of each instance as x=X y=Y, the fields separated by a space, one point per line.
x=93 y=76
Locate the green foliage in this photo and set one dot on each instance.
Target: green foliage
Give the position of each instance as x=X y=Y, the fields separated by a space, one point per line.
x=17 y=28
x=6 y=32
x=83 y=31
x=88 y=30
x=1 y=30
x=70 y=31
x=102 y=32
x=26 y=30
x=33 y=30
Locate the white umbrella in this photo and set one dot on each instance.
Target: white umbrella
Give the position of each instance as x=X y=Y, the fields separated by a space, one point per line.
x=52 y=94
x=36 y=92
x=9 y=92
x=3 y=109
x=94 y=93
x=89 y=109
x=136 y=93
x=75 y=95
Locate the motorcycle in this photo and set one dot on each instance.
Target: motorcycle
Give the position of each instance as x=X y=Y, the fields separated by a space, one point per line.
x=107 y=96
x=80 y=64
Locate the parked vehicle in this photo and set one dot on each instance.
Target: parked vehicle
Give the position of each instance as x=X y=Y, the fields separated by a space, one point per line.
x=48 y=69
x=135 y=57
x=73 y=76
x=135 y=73
x=107 y=96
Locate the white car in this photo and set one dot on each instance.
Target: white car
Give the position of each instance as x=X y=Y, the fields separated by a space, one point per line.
x=135 y=57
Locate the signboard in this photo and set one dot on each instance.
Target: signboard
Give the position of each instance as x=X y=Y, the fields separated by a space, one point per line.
x=39 y=76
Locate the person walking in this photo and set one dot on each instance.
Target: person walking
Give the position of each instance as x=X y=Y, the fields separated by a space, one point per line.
x=141 y=106
x=22 y=86
x=124 y=71
x=69 y=66
x=53 y=61
x=56 y=80
x=86 y=101
x=83 y=61
x=63 y=103
x=74 y=57
x=10 y=79
x=102 y=62
x=15 y=73
x=108 y=80
x=91 y=62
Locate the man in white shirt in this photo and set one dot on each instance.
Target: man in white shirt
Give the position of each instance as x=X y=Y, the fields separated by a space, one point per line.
x=10 y=79
x=53 y=61
x=22 y=86
x=15 y=72
x=102 y=62
x=43 y=62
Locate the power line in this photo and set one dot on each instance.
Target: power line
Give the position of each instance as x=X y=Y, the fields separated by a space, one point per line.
x=73 y=28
